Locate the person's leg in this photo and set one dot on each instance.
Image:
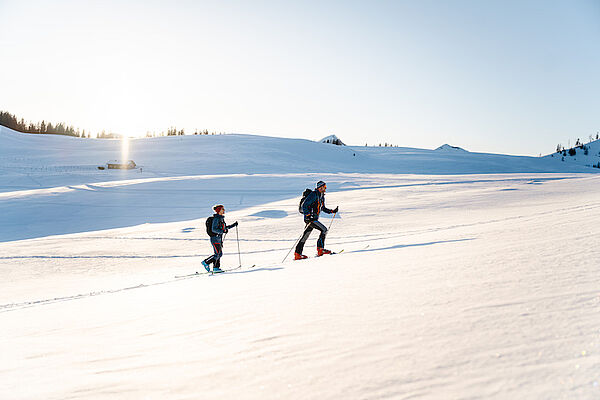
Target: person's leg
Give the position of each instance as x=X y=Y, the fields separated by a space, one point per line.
x=209 y=260
x=216 y=249
x=304 y=238
x=212 y=259
x=323 y=230
x=218 y=254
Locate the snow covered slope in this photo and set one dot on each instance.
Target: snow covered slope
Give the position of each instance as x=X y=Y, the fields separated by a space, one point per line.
x=51 y=185
x=332 y=139
x=475 y=289
x=587 y=155
x=448 y=148
x=57 y=158
x=473 y=285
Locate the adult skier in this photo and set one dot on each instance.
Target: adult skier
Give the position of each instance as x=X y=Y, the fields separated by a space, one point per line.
x=311 y=208
x=216 y=227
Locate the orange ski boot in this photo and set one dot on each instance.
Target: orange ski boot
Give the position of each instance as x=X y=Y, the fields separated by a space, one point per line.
x=298 y=256
x=321 y=251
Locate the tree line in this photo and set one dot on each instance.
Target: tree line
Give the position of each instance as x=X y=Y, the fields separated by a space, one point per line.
x=579 y=143
x=173 y=131
x=11 y=121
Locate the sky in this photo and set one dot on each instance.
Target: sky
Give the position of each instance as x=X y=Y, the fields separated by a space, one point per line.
x=514 y=77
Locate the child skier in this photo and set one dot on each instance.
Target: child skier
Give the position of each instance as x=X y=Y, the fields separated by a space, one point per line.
x=311 y=208
x=216 y=227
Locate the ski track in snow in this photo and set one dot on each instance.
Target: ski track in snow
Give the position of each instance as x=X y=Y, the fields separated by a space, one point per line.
x=33 y=303
x=361 y=238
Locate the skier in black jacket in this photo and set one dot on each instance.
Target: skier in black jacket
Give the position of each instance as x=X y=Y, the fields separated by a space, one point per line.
x=311 y=208
x=218 y=228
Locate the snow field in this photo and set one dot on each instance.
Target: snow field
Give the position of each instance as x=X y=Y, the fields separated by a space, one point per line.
x=449 y=287
x=464 y=275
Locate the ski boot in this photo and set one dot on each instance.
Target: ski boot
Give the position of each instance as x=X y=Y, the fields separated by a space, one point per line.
x=298 y=256
x=217 y=270
x=321 y=251
x=206 y=266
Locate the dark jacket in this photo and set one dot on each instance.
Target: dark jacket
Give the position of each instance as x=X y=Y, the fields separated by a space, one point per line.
x=219 y=227
x=312 y=206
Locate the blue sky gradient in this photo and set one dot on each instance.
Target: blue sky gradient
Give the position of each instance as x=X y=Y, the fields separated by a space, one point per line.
x=514 y=77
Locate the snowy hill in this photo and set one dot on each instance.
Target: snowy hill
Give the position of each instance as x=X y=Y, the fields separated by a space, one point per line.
x=475 y=281
x=333 y=139
x=51 y=155
x=179 y=176
x=447 y=147
x=587 y=155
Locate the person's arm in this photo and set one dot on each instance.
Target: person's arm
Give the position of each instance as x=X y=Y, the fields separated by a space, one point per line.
x=232 y=225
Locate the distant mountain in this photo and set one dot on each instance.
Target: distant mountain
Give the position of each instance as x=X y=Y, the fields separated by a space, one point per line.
x=333 y=140
x=447 y=147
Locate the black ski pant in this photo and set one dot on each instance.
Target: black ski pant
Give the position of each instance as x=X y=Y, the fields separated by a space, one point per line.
x=309 y=228
x=215 y=258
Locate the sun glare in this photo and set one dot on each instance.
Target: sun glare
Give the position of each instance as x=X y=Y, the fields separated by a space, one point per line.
x=124 y=149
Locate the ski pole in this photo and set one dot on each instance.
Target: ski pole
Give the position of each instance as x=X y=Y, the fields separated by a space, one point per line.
x=300 y=237
x=238 y=242
x=331 y=223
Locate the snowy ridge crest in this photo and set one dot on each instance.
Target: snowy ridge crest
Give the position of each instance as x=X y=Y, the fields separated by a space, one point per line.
x=447 y=147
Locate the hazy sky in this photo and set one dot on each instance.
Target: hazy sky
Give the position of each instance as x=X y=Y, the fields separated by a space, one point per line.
x=512 y=77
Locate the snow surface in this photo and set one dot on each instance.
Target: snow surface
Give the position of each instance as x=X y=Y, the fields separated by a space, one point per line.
x=51 y=185
x=476 y=281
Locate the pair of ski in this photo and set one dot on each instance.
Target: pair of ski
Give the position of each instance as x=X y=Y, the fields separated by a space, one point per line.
x=236 y=268
x=328 y=254
x=211 y=272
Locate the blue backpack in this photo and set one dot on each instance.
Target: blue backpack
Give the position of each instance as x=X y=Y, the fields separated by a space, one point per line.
x=304 y=196
x=209 y=230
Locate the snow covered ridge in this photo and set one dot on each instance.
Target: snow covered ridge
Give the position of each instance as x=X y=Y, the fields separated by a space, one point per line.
x=333 y=140
x=587 y=155
x=447 y=147
x=49 y=155
x=178 y=176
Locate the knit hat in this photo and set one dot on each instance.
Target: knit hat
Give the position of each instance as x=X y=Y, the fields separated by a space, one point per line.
x=218 y=207
x=320 y=183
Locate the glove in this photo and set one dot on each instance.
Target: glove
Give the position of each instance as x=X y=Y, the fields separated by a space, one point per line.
x=234 y=224
x=335 y=210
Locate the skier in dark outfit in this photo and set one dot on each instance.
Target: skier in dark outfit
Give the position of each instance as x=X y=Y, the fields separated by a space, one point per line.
x=218 y=228
x=311 y=208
